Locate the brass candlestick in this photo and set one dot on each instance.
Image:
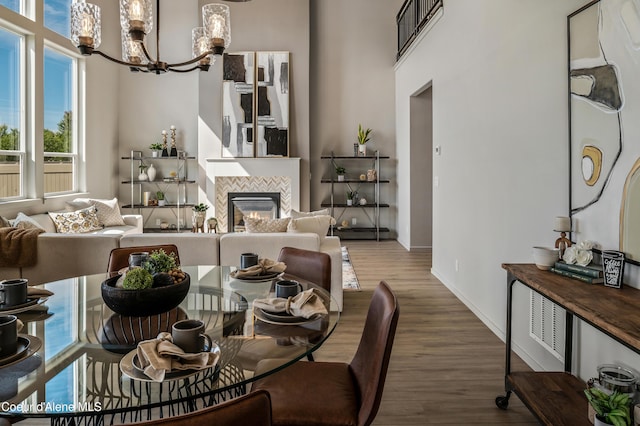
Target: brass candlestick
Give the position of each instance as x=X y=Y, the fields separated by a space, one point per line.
x=562 y=224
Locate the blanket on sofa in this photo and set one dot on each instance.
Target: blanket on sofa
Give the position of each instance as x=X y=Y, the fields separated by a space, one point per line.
x=18 y=247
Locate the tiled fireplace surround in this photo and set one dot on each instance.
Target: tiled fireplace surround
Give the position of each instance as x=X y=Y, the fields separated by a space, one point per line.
x=226 y=175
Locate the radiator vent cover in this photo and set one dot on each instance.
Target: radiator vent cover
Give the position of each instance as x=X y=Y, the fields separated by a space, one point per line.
x=546 y=324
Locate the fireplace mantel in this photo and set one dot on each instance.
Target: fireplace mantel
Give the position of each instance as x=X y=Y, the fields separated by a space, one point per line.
x=253 y=174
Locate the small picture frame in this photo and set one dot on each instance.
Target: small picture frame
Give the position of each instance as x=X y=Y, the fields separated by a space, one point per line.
x=613 y=268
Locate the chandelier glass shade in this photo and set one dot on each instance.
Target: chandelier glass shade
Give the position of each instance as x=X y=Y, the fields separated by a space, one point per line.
x=137 y=21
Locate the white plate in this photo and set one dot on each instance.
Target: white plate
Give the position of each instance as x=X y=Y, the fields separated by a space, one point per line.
x=276 y=319
x=133 y=372
x=24 y=307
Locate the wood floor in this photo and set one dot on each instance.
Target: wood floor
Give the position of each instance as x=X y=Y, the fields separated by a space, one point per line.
x=446 y=366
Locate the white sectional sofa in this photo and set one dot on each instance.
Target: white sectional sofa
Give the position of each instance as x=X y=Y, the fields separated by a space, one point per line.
x=66 y=255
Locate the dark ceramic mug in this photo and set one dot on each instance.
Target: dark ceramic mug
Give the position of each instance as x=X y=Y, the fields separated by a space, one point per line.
x=287 y=288
x=189 y=336
x=13 y=292
x=8 y=335
x=247 y=260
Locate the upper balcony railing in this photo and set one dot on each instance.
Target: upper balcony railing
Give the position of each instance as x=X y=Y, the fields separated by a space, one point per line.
x=413 y=16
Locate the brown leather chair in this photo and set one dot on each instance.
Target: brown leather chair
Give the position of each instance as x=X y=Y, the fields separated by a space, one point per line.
x=341 y=394
x=119 y=257
x=309 y=265
x=252 y=409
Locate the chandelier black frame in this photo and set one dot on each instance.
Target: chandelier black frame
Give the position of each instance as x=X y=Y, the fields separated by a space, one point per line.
x=136 y=18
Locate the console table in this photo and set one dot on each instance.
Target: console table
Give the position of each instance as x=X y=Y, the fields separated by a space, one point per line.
x=557 y=398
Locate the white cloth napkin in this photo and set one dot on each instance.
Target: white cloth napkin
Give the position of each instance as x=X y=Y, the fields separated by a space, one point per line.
x=264 y=266
x=307 y=304
x=160 y=356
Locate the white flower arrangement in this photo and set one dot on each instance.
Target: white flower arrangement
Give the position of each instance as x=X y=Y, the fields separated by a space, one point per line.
x=580 y=253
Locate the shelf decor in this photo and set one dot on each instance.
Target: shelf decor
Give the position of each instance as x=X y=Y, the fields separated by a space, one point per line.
x=362 y=196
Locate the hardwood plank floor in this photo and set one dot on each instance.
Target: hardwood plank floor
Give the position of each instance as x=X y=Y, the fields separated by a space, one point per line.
x=446 y=366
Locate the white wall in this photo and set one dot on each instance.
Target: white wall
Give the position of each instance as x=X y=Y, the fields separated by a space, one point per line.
x=353 y=48
x=499 y=75
x=263 y=25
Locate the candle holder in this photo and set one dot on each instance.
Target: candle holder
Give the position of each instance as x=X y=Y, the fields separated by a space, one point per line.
x=174 y=150
x=165 y=151
x=562 y=224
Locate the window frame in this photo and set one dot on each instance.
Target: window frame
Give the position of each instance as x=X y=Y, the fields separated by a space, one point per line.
x=36 y=36
x=21 y=152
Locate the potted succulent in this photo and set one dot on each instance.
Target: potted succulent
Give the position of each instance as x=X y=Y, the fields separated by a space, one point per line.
x=610 y=409
x=160 y=197
x=363 y=138
x=156 y=149
x=340 y=171
x=350 y=198
x=143 y=172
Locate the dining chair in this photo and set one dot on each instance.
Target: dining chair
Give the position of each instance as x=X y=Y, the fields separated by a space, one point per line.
x=309 y=265
x=251 y=409
x=341 y=393
x=119 y=257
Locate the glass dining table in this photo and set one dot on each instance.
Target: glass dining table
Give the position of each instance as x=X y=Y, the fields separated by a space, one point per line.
x=78 y=366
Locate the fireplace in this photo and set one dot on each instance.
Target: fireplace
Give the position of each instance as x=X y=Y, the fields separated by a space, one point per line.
x=262 y=205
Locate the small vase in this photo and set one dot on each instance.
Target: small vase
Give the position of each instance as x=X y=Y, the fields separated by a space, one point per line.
x=349 y=202
x=362 y=149
x=340 y=178
x=155 y=153
x=142 y=176
x=151 y=173
x=598 y=422
x=161 y=203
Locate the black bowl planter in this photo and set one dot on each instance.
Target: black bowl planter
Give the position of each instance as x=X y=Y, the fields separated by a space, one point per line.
x=142 y=303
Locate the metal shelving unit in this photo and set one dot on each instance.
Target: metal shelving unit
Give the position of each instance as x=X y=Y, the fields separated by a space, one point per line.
x=177 y=187
x=371 y=210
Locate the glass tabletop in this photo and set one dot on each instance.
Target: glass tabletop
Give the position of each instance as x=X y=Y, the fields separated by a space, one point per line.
x=81 y=367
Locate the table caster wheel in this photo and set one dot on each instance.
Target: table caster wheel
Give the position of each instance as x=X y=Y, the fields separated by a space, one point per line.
x=502 y=402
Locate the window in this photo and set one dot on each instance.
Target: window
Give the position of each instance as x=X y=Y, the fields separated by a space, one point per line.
x=56 y=16
x=59 y=145
x=12 y=4
x=11 y=147
x=43 y=93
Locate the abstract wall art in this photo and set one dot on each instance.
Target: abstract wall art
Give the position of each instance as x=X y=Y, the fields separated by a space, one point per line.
x=604 y=131
x=255 y=108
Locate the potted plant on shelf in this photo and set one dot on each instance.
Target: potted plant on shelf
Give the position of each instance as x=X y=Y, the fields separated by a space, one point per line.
x=199 y=213
x=156 y=149
x=349 y=198
x=143 y=172
x=340 y=171
x=610 y=409
x=160 y=197
x=363 y=138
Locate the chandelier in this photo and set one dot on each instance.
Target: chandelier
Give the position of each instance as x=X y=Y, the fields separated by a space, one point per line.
x=136 y=20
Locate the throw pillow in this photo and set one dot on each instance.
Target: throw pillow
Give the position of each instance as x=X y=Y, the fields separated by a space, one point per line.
x=108 y=210
x=266 y=225
x=316 y=224
x=80 y=221
x=296 y=214
x=25 y=222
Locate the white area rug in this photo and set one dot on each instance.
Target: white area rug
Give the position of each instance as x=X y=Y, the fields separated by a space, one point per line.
x=349 y=278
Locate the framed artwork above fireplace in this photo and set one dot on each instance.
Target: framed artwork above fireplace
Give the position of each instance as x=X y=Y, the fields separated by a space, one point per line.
x=255 y=106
